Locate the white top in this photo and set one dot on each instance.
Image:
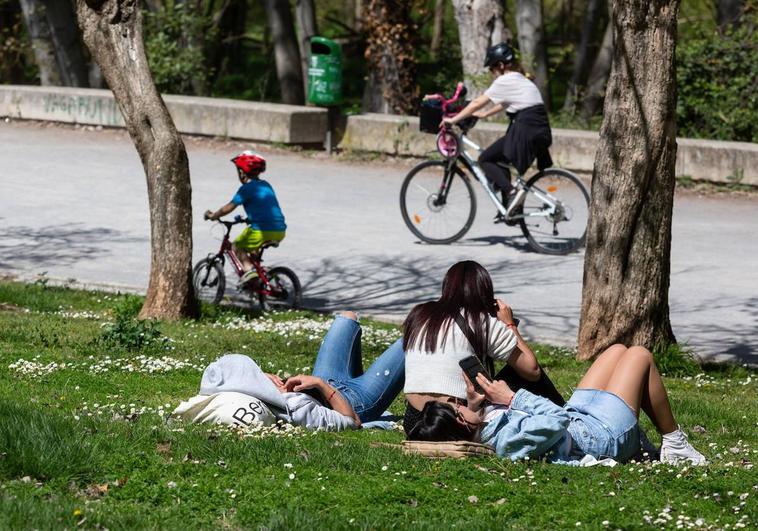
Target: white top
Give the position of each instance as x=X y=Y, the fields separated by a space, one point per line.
x=438 y=371
x=515 y=91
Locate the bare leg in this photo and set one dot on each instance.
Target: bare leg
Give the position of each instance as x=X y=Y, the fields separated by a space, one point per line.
x=637 y=382
x=244 y=259
x=598 y=376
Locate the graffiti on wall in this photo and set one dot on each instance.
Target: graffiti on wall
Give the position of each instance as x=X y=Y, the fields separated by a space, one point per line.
x=100 y=110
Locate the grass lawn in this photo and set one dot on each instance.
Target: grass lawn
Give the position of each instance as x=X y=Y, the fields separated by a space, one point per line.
x=84 y=392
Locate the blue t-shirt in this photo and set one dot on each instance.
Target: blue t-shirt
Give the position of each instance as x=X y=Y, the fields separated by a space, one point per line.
x=261 y=206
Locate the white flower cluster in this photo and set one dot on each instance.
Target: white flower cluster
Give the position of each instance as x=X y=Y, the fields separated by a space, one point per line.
x=35 y=368
x=81 y=314
x=306 y=328
x=281 y=429
x=141 y=364
x=708 y=380
x=116 y=411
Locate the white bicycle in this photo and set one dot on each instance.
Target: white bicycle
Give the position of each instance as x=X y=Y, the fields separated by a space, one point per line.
x=438 y=202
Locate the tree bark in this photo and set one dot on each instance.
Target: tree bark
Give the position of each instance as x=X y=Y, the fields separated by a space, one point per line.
x=55 y=41
x=391 y=84
x=112 y=31
x=480 y=25
x=437 y=27
x=627 y=262
x=286 y=52
x=595 y=91
x=306 y=22
x=581 y=58
x=729 y=12
x=531 y=40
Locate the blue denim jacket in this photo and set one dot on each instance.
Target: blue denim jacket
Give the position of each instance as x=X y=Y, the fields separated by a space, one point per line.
x=533 y=427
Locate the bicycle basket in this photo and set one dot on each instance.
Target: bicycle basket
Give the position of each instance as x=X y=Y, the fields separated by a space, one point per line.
x=430 y=116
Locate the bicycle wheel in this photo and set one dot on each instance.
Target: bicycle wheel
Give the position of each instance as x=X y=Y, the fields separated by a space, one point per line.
x=558 y=231
x=285 y=292
x=437 y=206
x=209 y=280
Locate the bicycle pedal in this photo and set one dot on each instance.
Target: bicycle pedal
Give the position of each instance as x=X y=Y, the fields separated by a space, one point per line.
x=499 y=218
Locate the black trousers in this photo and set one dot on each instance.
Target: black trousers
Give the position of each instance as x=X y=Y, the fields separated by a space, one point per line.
x=488 y=160
x=543 y=387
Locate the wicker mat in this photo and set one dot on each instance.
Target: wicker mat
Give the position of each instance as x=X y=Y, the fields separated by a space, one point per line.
x=447 y=449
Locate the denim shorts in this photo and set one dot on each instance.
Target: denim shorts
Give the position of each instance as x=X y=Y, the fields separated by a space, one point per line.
x=603 y=425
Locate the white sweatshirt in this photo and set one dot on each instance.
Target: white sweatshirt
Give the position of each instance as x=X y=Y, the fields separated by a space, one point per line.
x=438 y=371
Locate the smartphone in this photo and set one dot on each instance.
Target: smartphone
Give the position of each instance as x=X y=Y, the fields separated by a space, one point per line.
x=495 y=309
x=472 y=366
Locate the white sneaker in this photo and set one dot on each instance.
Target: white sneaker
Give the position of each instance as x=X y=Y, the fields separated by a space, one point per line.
x=676 y=449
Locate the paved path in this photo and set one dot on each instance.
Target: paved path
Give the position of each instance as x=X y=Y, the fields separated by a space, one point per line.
x=73 y=203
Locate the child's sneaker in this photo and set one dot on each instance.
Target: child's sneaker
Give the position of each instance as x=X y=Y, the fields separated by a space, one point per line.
x=675 y=449
x=248 y=276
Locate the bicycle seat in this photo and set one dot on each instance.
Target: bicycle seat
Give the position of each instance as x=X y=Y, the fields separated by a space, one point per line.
x=269 y=243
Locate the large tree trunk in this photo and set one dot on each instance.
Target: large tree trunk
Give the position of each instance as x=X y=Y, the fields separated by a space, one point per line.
x=55 y=41
x=286 y=52
x=391 y=85
x=531 y=40
x=728 y=12
x=595 y=91
x=581 y=58
x=480 y=25
x=112 y=31
x=437 y=27
x=307 y=28
x=627 y=262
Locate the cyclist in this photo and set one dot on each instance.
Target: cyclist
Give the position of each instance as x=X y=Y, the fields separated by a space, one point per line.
x=264 y=216
x=528 y=136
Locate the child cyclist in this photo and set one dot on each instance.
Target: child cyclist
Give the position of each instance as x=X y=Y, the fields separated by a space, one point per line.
x=528 y=137
x=264 y=216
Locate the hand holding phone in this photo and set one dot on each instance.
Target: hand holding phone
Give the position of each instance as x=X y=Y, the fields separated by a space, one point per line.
x=472 y=367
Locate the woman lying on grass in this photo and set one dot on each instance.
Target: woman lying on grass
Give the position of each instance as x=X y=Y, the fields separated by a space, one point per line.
x=337 y=396
x=600 y=418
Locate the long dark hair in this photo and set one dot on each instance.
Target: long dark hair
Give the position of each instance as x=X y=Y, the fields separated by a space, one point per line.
x=439 y=423
x=468 y=287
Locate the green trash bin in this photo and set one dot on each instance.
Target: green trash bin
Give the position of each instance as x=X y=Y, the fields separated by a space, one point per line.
x=325 y=72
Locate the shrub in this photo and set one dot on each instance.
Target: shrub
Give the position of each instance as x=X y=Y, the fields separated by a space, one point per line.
x=716 y=76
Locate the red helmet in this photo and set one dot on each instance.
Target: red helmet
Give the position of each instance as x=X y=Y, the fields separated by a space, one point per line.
x=249 y=162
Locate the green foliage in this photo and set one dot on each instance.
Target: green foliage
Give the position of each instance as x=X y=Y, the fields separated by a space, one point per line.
x=175 y=39
x=135 y=471
x=43 y=445
x=676 y=360
x=129 y=333
x=716 y=74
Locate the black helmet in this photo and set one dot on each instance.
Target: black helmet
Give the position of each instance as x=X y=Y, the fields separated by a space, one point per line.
x=499 y=53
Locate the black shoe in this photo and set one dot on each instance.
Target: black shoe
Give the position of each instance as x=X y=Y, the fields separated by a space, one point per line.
x=499 y=218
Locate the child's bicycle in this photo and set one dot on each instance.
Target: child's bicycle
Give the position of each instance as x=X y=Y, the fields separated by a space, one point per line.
x=438 y=202
x=275 y=287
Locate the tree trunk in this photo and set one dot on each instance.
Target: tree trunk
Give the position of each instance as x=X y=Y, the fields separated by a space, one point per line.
x=531 y=40
x=391 y=85
x=728 y=12
x=286 y=52
x=437 y=27
x=55 y=41
x=307 y=28
x=581 y=58
x=480 y=25
x=627 y=262
x=112 y=31
x=595 y=91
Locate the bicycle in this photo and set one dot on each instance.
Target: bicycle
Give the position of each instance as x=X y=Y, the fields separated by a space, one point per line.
x=275 y=287
x=550 y=199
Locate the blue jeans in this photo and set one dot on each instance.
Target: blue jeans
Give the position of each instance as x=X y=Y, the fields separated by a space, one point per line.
x=603 y=425
x=340 y=364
